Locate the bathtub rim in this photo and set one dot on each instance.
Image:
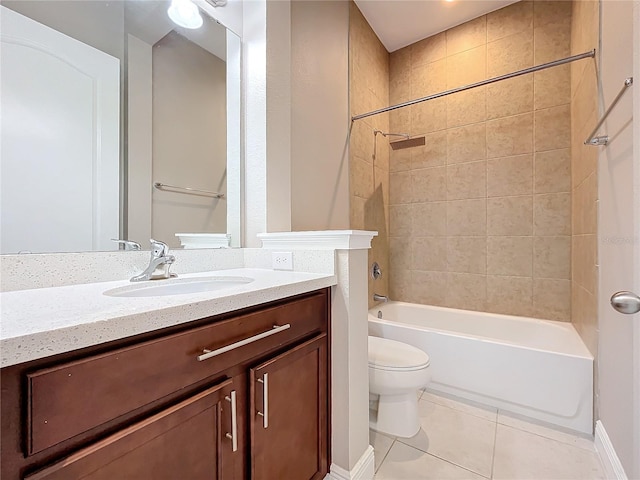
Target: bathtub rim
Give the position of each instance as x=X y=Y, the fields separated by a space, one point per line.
x=586 y=354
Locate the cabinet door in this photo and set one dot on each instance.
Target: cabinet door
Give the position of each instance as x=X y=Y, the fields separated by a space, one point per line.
x=186 y=440
x=289 y=414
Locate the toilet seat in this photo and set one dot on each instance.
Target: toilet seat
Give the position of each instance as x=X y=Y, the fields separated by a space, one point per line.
x=385 y=354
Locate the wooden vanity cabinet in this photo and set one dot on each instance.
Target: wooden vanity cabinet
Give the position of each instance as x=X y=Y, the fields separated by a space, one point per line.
x=288 y=414
x=260 y=410
x=182 y=441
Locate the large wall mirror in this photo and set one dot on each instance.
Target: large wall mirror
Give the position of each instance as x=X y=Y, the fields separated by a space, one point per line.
x=116 y=123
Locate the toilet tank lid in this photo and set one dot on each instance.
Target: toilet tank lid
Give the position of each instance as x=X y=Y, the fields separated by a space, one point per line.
x=390 y=353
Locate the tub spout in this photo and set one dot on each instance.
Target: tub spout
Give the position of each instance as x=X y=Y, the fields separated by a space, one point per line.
x=380 y=298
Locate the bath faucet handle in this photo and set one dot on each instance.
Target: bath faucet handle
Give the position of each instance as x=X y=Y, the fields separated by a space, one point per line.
x=380 y=298
x=376 y=272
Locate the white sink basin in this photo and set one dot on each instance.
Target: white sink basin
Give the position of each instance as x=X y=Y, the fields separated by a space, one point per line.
x=178 y=286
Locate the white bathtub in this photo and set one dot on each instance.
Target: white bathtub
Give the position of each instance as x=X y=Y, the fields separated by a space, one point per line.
x=537 y=368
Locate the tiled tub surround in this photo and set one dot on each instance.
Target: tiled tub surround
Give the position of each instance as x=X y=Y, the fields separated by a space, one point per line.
x=537 y=368
x=480 y=217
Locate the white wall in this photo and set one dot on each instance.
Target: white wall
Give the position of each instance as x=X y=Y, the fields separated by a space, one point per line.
x=139 y=140
x=230 y=15
x=234 y=138
x=254 y=80
x=296 y=83
x=278 y=116
x=617 y=225
x=319 y=115
x=267 y=100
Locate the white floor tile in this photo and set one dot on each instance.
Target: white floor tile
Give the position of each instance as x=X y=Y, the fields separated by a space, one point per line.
x=472 y=408
x=381 y=445
x=549 y=432
x=457 y=437
x=522 y=455
x=407 y=463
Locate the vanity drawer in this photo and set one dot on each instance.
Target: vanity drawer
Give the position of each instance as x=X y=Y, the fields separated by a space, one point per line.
x=71 y=398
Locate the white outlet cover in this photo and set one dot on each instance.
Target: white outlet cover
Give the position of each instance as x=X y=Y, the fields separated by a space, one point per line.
x=282 y=260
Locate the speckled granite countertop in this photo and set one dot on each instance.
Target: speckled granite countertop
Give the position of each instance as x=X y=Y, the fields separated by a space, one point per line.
x=42 y=322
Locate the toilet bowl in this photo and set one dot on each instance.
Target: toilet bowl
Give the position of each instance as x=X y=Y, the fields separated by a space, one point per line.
x=396 y=371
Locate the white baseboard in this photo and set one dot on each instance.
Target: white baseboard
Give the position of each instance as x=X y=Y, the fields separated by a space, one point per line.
x=364 y=469
x=612 y=467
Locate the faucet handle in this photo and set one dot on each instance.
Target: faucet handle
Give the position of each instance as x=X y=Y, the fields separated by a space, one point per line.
x=158 y=248
x=128 y=244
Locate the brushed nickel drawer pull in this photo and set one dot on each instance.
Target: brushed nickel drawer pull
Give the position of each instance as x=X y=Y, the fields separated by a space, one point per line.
x=265 y=396
x=212 y=353
x=233 y=436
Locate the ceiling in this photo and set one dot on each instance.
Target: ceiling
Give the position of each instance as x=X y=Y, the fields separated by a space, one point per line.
x=399 y=23
x=148 y=20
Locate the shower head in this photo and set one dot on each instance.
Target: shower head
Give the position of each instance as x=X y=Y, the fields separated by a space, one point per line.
x=389 y=134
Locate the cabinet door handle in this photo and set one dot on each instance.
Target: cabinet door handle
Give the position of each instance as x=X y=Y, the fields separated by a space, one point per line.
x=212 y=353
x=234 y=421
x=265 y=402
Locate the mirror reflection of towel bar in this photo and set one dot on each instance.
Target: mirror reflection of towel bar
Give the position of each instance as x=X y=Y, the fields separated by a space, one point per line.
x=190 y=191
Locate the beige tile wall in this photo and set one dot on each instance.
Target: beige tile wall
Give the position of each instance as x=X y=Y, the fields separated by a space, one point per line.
x=584 y=180
x=480 y=217
x=369 y=155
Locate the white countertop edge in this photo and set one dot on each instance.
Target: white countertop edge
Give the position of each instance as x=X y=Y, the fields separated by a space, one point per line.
x=19 y=349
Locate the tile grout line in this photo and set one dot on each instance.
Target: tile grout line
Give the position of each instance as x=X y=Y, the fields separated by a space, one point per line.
x=395 y=439
x=486 y=199
x=495 y=439
x=462 y=411
x=550 y=438
x=443 y=459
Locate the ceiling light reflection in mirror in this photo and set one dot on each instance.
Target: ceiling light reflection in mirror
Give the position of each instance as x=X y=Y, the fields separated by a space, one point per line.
x=185 y=13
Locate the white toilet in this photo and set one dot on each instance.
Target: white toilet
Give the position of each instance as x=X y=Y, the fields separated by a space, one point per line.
x=396 y=371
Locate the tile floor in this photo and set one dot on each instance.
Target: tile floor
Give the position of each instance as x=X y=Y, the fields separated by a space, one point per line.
x=460 y=440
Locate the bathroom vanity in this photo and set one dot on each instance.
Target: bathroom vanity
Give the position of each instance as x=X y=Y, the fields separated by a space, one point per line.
x=240 y=394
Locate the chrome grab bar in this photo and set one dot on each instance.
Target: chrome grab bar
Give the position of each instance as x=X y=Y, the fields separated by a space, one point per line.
x=212 y=353
x=233 y=436
x=265 y=400
x=189 y=190
x=604 y=139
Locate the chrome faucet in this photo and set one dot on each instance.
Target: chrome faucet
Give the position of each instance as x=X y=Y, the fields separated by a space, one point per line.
x=380 y=298
x=159 y=265
x=127 y=244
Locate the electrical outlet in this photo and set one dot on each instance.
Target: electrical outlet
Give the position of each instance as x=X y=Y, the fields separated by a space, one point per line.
x=282 y=260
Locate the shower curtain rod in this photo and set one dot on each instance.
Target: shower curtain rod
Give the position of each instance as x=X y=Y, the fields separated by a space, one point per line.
x=543 y=66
